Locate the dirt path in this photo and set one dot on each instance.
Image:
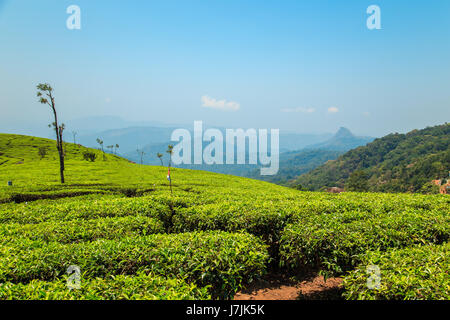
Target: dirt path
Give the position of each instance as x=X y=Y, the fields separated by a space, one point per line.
x=280 y=288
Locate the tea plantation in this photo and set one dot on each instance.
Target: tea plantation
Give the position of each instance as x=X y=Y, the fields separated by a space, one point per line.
x=132 y=239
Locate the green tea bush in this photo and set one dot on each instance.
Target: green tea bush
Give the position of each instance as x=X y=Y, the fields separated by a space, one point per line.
x=405 y=274
x=80 y=230
x=219 y=259
x=89 y=156
x=261 y=219
x=81 y=209
x=334 y=243
x=121 y=287
x=57 y=194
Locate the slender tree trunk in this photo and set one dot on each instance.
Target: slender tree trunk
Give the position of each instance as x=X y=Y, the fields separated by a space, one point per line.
x=170 y=176
x=59 y=144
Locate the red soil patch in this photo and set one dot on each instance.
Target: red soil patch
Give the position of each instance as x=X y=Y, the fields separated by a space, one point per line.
x=280 y=288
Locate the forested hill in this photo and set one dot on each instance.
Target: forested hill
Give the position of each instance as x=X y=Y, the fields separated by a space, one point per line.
x=394 y=163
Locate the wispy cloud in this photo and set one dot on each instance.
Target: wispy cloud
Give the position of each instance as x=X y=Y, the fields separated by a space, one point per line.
x=208 y=102
x=299 y=109
x=333 y=110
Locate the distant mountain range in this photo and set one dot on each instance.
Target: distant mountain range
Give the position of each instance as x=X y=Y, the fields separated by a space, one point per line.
x=149 y=138
x=299 y=153
x=343 y=140
x=394 y=163
x=295 y=163
x=130 y=139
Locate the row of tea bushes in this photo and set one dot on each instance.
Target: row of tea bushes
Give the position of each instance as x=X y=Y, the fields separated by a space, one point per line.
x=121 y=287
x=219 y=259
x=421 y=272
x=263 y=219
x=81 y=209
x=334 y=243
x=80 y=230
x=28 y=196
x=299 y=203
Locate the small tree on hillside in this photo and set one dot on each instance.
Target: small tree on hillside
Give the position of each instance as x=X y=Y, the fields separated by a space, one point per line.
x=111 y=147
x=115 y=148
x=89 y=156
x=429 y=188
x=74 y=134
x=358 y=181
x=44 y=89
x=100 y=142
x=160 y=155
x=42 y=152
x=169 y=177
x=141 y=153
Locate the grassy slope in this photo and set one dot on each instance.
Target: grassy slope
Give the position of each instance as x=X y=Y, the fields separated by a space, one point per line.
x=20 y=163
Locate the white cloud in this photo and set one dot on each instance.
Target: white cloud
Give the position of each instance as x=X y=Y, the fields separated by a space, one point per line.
x=366 y=114
x=333 y=110
x=225 y=105
x=299 y=109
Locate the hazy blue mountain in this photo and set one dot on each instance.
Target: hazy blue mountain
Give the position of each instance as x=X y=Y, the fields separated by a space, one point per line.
x=299 y=153
x=95 y=125
x=292 y=163
x=129 y=139
x=155 y=138
x=297 y=141
x=343 y=140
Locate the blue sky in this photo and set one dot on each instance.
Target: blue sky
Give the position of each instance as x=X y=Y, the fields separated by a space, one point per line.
x=306 y=66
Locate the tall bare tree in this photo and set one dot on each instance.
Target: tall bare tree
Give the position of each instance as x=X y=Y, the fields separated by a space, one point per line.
x=74 y=133
x=45 y=95
x=160 y=155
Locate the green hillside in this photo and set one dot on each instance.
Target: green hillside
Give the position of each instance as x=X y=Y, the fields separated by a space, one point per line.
x=394 y=163
x=132 y=239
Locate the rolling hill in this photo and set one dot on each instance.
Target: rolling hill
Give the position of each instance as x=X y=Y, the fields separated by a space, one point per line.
x=394 y=163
